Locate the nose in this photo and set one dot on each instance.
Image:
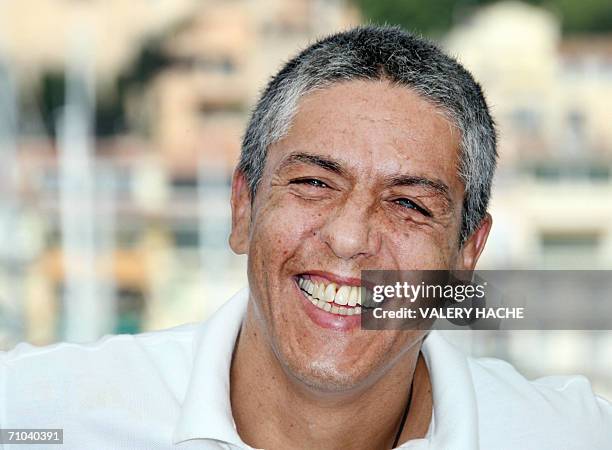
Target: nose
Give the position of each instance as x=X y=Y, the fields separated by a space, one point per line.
x=349 y=232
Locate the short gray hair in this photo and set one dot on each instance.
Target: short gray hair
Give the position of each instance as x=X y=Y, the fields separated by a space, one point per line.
x=376 y=53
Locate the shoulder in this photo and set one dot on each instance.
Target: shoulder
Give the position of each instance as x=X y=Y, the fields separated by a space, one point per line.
x=560 y=408
x=169 y=343
x=120 y=373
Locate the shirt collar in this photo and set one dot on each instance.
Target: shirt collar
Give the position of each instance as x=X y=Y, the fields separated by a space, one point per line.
x=206 y=411
x=455 y=413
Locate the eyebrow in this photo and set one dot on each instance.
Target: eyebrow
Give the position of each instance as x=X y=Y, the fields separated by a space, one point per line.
x=314 y=160
x=436 y=186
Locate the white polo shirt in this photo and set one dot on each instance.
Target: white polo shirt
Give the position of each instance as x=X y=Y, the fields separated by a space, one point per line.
x=170 y=389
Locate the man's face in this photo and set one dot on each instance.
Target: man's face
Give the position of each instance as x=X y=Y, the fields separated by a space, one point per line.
x=366 y=178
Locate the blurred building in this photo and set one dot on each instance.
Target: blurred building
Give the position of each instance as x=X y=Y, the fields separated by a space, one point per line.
x=128 y=231
x=551 y=98
x=552 y=198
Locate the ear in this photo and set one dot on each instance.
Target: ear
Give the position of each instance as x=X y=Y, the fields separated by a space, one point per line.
x=472 y=248
x=241 y=214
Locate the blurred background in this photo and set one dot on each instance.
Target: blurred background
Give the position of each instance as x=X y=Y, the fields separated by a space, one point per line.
x=121 y=121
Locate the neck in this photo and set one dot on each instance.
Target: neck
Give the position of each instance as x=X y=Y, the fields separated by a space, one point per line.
x=274 y=411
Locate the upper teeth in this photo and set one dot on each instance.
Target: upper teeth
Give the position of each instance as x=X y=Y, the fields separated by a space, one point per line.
x=328 y=293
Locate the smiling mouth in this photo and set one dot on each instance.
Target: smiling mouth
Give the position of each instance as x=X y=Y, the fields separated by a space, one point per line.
x=333 y=298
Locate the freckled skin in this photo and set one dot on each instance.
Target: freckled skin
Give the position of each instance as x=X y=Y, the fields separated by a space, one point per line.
x=342 y=224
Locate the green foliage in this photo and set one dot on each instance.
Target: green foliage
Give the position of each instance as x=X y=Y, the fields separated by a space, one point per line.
x=51 y=97
x=417 y=15
x=109 y=114
x=594 y=16
x=436 y=17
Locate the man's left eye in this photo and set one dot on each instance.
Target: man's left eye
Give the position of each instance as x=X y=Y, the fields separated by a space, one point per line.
x=409 y=204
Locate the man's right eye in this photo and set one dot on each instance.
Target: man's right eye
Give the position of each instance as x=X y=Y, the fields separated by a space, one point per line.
x=309 y=181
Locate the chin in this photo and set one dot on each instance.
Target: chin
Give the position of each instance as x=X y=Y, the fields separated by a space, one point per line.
x=325 y=377
x=325 y=374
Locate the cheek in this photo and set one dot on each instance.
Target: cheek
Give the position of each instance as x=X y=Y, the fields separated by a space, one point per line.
x=280 y=228
x=418 y=248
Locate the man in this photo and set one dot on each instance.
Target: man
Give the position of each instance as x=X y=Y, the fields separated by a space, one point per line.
x=369 y=150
